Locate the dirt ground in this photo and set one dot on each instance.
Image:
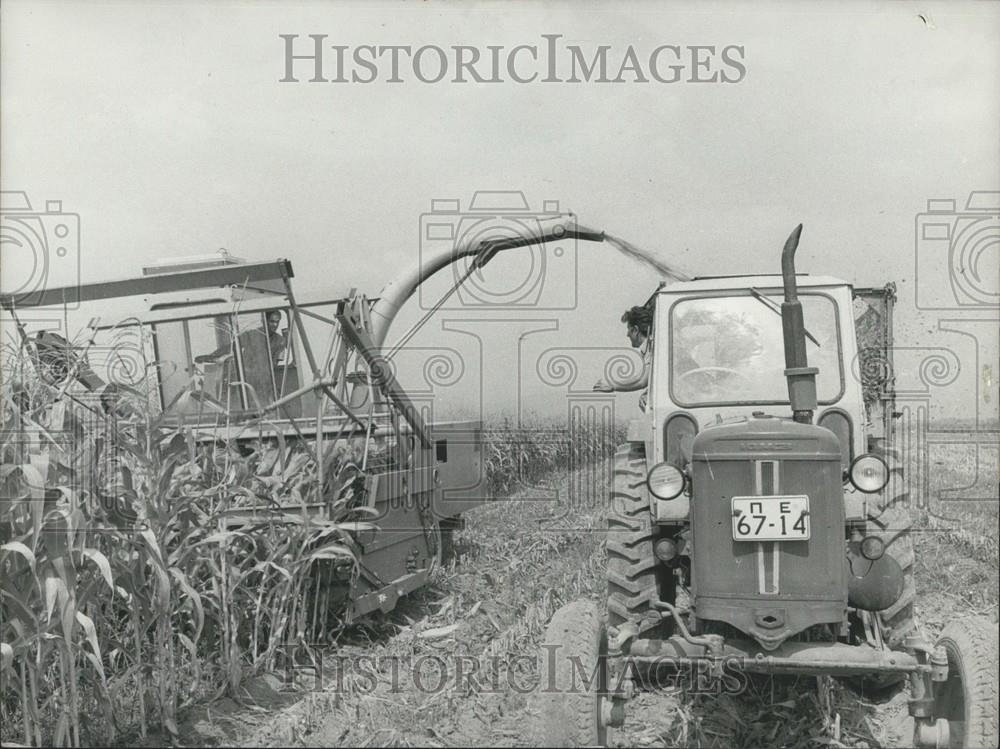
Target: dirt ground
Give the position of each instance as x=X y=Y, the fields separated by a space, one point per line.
x=455 y=664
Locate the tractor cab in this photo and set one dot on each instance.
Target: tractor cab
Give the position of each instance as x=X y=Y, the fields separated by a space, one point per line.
x=718 y=355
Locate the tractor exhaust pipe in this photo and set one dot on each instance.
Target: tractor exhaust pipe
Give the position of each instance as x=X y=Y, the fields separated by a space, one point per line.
x=801 y=377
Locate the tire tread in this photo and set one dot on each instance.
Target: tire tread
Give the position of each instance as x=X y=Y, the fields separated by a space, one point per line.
x=632 y=566
x=567 y=716
x=975 y=641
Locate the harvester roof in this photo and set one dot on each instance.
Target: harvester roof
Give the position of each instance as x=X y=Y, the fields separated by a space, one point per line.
x=266 y=277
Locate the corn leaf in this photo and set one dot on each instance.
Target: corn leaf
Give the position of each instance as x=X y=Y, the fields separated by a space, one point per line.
x=52 y=585
x=103 y=565
x=192 y=594
x=6 y=656
x=90 y=632
x=18 y=548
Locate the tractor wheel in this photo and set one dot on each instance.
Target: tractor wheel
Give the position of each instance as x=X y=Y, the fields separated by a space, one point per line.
x=968 y=699
x=891 y=522
x=893 y=527
x=633 y=569
x=573 y=681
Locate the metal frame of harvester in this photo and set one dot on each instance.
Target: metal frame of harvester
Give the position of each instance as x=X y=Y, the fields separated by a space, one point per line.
x=418 y=477
x=334 y=389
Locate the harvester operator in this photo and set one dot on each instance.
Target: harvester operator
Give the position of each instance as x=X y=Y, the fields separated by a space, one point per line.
x=275 y=341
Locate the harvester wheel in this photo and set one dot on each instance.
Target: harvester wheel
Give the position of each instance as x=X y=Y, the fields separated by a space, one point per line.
x=968 y=699
x=572 y=685
x=632 y=566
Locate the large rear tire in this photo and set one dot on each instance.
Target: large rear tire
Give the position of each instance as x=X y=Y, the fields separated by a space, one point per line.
x=889 y=519
x=573 y=679
x=633 y=570
x=891 y=522
x=968 y=699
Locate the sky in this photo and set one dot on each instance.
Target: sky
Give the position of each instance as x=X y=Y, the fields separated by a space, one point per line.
x=166 y=128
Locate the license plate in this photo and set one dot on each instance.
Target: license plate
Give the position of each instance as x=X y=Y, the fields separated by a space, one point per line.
x=771 y=518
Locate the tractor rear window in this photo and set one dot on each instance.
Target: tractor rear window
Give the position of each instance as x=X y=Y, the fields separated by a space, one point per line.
x=731 y=349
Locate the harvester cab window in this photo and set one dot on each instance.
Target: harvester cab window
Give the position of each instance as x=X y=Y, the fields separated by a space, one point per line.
x=186 y=349
x=243 y=361
x=731 y=350
x=210 y=346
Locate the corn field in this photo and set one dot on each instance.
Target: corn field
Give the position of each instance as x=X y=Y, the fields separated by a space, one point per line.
x=127 y=591
x=520 y=456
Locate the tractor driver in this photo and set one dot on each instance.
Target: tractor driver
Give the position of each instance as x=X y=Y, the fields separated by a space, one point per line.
x=638 y=322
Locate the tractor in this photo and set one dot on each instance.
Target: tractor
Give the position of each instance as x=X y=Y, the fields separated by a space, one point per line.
x=744 y=538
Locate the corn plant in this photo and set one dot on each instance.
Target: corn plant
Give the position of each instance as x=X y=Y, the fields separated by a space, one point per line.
x=127 y=589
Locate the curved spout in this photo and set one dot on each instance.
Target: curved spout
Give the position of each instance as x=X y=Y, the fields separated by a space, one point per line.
x=399 y=289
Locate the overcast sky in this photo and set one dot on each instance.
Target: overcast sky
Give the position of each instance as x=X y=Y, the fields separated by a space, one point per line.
x=165 y=127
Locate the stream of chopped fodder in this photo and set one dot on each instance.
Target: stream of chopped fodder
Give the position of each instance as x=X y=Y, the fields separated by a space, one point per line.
x=646 y=258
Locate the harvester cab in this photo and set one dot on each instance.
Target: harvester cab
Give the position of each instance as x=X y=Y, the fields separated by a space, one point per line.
x=758 y=519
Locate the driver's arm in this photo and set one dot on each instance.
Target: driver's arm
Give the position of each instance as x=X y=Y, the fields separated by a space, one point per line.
x=639 y=382
x=627 y=386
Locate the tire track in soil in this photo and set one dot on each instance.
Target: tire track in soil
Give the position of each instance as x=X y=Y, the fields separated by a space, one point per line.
x=518 y=561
